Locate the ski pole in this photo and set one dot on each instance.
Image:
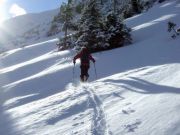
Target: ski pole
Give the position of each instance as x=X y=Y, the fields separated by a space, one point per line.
x=73 y=72
x=95 y=70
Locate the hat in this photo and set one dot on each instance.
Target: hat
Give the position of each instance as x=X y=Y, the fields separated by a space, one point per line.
x=84 y=49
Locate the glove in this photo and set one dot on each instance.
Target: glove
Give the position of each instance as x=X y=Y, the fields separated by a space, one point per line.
x=94 y=61
x=74 y=62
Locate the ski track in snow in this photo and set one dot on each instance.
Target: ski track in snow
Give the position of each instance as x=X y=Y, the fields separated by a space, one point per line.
x=99 y=125
x=135 y=97
x=133 y=126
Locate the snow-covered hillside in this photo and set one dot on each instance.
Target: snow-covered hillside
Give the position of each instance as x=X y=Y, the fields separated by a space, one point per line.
x=35 y=27
x=137 y=90
x=21 y=30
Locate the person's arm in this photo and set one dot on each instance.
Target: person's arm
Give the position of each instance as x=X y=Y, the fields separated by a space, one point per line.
x=91 y=58
x=76 y=57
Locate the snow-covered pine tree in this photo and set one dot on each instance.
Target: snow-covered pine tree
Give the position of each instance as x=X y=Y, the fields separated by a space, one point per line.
x=63 y=20
x=99 y=34
x=136 y=6
x=117 y=33
x=91 y=26
x=66 y=16
x=114 y=5
x=101 y=2
x=171 y=27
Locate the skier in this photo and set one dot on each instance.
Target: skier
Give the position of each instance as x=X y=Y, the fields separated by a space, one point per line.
x=85 y=58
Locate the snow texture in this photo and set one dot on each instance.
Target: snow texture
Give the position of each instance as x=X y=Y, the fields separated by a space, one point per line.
x=136 y=91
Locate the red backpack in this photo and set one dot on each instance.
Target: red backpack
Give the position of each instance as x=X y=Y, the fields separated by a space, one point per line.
x=85 y=57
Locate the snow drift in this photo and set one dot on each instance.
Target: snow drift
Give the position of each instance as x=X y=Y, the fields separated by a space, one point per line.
x=136 y=92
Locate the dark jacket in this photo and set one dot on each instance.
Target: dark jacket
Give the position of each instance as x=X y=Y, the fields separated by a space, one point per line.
x=84 y=53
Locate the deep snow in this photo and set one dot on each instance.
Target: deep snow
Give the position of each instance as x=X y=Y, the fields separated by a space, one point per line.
x=136 y=91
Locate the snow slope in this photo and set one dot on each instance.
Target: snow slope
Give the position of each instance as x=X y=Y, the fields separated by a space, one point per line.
x=136 y=91
x=22 y=30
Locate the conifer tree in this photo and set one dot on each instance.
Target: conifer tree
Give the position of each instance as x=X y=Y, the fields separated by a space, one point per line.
x=101 y=2
x=90 y=26
x=135 y=6
x=98 y=34
x=114 y=6
x=117 y=34
x=66 y=16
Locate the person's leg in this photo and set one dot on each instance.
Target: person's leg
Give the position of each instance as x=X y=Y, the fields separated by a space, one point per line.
x=82 y=73
x=86 y=73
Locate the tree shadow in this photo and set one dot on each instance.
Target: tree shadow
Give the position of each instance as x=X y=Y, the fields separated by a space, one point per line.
x=40 y=87
x=72 y=110
x=154 y=14
x=7 y=124
x=144 y=87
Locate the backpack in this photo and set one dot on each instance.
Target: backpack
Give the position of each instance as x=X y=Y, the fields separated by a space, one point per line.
x=85 y=57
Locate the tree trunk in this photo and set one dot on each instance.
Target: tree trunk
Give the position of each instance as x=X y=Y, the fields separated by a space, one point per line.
x=135 y=6
x=114 y=6
x=101 y=2
x=65 y=33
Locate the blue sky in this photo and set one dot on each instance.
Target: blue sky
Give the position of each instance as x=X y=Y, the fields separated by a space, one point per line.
x=11 y=8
